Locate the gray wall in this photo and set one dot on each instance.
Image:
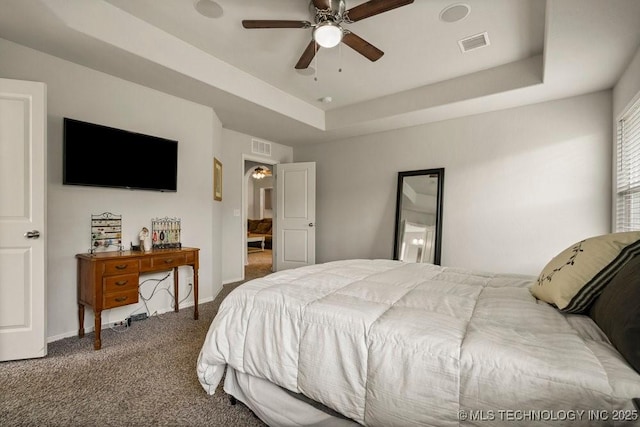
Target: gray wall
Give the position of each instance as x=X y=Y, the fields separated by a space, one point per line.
x=520 y=184
x=236 y=147
x=88 y=95
x=627 y=89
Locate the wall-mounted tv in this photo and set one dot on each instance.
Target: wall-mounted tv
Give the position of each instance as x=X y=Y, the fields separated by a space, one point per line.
x=102 y=156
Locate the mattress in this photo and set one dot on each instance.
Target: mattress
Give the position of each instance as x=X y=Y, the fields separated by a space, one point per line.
x=389 y=343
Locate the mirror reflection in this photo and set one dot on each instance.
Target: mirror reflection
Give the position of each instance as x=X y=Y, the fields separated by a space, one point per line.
x=419 y=216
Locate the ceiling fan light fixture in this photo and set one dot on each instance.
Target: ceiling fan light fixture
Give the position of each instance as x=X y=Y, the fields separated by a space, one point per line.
x=327 y=34
x=258 y=173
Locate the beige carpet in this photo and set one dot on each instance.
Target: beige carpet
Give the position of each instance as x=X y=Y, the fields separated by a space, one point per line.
x=144 y=375
x=259 y=264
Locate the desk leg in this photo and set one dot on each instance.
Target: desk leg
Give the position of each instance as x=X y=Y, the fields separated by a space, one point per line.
x=175 y=288
x=195 y=292
x=81 y=320
x=97 y=344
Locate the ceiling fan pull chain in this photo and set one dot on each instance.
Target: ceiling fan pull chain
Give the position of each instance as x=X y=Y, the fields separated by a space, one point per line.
x=315 y=63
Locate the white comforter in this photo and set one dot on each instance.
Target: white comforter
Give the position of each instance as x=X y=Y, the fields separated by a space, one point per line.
x=387 y=343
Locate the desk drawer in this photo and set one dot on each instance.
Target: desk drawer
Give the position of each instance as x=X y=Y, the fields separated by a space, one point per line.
x=120 y=267
x=167 y=261
x=117 y=299
x=121 y=283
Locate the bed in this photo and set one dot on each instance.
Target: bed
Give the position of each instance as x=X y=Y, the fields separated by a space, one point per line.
x=381 y=342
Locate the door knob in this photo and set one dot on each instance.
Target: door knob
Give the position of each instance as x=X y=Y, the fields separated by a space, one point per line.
x=32 y=234
x=311 y=224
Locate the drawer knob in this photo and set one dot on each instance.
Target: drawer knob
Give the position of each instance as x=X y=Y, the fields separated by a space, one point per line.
x=121 y=282
x=120 y=299
x=168 y=261
x=121 y=266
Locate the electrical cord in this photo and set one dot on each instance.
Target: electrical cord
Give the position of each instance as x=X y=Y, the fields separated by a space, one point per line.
x=124 y=326
x=159 y=316
x=186 y=296
x=155 y=289
x=119 y=328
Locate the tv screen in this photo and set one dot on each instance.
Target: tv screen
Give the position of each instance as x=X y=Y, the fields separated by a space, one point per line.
x=103 y=156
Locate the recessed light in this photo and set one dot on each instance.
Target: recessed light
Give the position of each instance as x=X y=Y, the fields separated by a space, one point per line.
x=208 y=8
x=455 y=13
x=326 y=99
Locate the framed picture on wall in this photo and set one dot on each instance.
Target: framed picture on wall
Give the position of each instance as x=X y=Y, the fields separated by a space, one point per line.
x=217 y=180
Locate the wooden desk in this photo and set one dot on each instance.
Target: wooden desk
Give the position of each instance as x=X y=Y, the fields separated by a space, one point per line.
x=110 y=279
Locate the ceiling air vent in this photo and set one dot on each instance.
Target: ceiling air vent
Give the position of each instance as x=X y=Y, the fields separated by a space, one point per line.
x=474 y=42
x=260 y=147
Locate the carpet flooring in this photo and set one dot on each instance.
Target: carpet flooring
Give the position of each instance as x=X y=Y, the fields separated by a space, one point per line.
x=259 y=264
x=144 y=375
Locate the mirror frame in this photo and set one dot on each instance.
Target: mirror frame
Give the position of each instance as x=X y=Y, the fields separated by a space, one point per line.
x=439 y=172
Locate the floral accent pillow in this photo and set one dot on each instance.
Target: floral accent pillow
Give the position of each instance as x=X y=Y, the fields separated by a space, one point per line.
x=575 y=277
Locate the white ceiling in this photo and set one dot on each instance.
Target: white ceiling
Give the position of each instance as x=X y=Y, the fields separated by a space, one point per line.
x=419 y=48
x=540 y=50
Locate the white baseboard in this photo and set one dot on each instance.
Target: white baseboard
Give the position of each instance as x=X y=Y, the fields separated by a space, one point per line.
x=106 y=325
x=226 y=282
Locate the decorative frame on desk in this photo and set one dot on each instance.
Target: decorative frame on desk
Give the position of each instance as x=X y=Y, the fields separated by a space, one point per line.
x=217 y=180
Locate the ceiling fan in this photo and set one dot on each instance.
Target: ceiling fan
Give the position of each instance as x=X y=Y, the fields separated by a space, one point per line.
x=329 y=16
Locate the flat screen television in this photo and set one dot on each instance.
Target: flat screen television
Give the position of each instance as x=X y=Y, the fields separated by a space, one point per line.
x=102 y=156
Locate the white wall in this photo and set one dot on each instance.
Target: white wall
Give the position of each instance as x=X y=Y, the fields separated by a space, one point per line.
x=88 y=95
x=258 y=185
x=253 y=190
x=520 y=184
x=628 y=87
x=235 y=145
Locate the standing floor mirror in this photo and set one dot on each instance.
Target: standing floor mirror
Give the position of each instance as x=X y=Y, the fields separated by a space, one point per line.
x=418 y=234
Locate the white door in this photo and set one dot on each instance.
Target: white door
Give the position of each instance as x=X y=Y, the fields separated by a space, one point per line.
x=22 y=218
x=295 y=215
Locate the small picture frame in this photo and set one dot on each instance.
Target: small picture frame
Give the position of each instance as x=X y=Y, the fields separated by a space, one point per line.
x=217 y=180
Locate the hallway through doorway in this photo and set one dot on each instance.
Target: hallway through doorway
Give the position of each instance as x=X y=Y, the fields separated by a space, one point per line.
x=259 y=264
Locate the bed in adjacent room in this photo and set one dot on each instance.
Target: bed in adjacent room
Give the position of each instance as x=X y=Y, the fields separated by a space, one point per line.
x=381 y=342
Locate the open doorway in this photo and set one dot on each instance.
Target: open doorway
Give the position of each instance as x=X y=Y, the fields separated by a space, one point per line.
x=258 y=213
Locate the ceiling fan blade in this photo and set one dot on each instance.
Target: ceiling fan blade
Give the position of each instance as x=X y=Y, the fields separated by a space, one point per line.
x=266 y=23
x=374 y=7
x=322 y=4
x=307 y=55
x=362 y=46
